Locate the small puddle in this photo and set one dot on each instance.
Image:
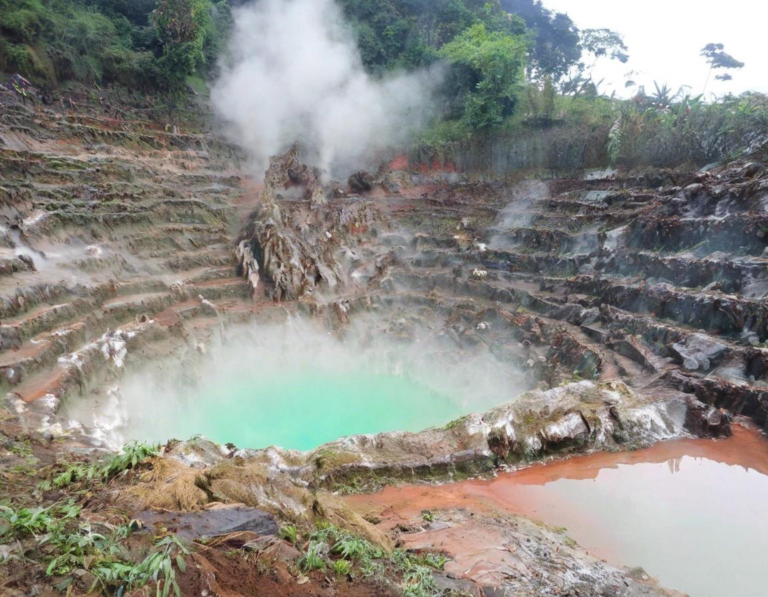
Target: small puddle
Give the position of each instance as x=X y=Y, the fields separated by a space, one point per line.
x=692 y=513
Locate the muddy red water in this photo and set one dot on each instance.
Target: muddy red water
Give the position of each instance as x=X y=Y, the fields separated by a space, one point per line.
x=691 y=512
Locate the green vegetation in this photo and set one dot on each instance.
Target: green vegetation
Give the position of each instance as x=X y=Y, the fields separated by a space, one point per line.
x=555 y=46
x=69 y=546
x=141 y=44
x=488 y=72
x=132 y=455
x=34 y=521
x=348 y=555
x=289 y=533
x=312 y=558
x=409 y=33
x=342 y=567
x=513 y=70
x=489 y=47
x=456 y=423
x=82 y=552
x=484 y=46
x=663 y=129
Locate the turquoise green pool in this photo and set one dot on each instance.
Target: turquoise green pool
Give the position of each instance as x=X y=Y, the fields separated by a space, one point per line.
x=297 y=387
x=300 y=411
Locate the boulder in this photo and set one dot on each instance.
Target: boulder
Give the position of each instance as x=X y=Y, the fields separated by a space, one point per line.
x=707 y=421
x=217 y=520
x=693 y=190
x=570 y=429
x=698 y=352
x=361 y=182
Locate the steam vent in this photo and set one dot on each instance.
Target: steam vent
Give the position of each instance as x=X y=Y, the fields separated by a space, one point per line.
x=338 y=299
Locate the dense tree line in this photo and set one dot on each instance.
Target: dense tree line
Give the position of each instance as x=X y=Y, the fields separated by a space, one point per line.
x=156 y=45
x=494 y=48
x=153 y=45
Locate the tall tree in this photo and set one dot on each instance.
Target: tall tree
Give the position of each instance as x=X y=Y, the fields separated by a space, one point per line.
x=182 y=27
x=136 y=11
x=488 y=69
x=596 y=45
x=719 y=59
x=555 y=46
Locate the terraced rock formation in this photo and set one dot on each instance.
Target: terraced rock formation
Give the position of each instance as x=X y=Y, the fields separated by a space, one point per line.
x=116 y=247
x=631 y=307
x=656 y=278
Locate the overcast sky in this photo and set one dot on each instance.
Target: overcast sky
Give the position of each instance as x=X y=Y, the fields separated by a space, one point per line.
x=666 y=36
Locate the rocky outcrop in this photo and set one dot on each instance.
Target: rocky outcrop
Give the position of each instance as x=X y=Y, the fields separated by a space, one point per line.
x=114 y=252
x=360 y=182
x=579 y=417
x=497 y=555
x=707 y=421
x=298 y=244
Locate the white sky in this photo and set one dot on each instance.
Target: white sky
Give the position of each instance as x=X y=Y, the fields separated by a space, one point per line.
x=666 y=36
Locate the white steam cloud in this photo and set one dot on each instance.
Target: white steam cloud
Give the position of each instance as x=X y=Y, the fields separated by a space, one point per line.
x=271 y=382
x=295 y=73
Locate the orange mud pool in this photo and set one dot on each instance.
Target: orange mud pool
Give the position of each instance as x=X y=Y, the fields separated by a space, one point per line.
x=692 y=513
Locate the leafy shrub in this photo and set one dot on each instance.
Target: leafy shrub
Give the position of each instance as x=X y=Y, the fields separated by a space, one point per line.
x=312 y=558
x=35 y=521
x=113 y=41
x=342 y=567
x=69 y=546
x=22 y=25
x=289 y=533
x=15 y=58
x=685 y=129
x=351 y=548
x=131 y=456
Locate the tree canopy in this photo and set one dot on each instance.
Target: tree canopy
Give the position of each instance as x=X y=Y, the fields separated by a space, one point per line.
x=156 y=45
x=555 y=48
x=488 y=74
x=149 y=44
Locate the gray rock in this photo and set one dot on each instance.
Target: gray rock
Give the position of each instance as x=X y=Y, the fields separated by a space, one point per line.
x=699 y=352
x=693 y=190
x=218 y=520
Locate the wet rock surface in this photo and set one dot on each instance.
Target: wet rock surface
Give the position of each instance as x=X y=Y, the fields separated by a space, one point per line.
x=503 y=555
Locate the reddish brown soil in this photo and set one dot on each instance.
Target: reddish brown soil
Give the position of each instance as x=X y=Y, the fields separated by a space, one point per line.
x=216 y=572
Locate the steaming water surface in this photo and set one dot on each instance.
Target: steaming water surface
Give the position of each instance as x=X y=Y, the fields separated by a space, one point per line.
x=296 y=386
x=304 y=410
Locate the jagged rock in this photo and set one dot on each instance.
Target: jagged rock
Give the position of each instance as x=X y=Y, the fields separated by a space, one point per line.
x=707 y=421
x=500 y=443
x=454 y=586
x=295 y=259
x=698 y=352
x=571 y=429
x=248 y=266
x=361 y=182
x=693 y=190
x=751 y=170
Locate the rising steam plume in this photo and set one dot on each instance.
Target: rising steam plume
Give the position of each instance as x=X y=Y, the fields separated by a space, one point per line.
x=294 y=72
